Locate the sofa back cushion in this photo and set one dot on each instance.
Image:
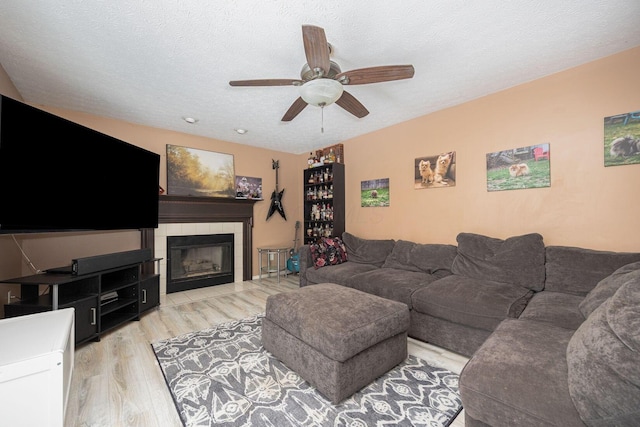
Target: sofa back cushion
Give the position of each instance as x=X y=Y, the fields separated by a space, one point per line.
x=367 y=251
x=517 y=260
x=603 y=357
x=577 y=271
x=427 y=258
x=608 y=286
x=400 y=257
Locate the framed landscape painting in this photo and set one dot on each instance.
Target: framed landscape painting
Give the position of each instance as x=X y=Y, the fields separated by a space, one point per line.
x=519 y=168
x=374 y=192
x=199 y=173
x=622 y=139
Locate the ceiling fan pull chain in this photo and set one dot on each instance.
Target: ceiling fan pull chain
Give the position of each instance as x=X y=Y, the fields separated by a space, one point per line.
x=322 y=119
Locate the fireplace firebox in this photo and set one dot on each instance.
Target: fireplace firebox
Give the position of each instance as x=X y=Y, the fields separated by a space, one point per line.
x=199 y=261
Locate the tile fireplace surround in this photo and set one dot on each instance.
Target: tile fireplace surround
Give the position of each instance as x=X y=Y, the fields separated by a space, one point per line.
x=192 y=229
x=180 y=216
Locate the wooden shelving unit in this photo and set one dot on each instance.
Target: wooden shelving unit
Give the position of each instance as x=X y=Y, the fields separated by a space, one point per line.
x=324 y=209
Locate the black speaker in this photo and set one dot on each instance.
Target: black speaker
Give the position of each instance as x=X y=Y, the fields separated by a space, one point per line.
x=92 y=264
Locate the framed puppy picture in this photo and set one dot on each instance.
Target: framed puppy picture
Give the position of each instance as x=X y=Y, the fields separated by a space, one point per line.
x=200 y=173
x=622 y=139
x=374 y=192
x=519 y=168
x=435 y=171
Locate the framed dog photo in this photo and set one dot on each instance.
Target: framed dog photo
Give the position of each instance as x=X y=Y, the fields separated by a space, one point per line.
x=248 y=188
x=622 y=139
x=519 y=168
x=200 y=173
x=374 y=193
x=435 y=171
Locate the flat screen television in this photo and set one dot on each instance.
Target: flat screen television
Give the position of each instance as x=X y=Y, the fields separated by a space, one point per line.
x=57 y=175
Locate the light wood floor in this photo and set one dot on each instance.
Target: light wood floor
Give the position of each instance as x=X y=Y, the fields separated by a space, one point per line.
x=117 y=381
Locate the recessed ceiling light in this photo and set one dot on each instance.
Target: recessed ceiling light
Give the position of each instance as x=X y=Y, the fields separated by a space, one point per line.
x=241 y=131
x=190 y=120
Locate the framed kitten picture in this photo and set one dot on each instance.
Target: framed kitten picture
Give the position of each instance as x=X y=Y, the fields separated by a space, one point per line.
x=519 y=168
x=435 y=171
x=622 y=139
x=374 y=192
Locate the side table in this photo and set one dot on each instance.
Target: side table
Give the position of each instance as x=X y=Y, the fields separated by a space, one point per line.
x=273 y=255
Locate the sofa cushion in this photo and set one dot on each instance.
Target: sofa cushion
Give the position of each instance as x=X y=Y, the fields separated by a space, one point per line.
x=390 y=283
x=367 y=251
x=518 y=260
x=576 y=270
x=557 y=308
x=608 y=286
x=603 y=361
x=482 y=304
x=399 y=258
x=426 y=257
x=337 y=273
x=518 y=377
x=328 y=251
x=432 y=257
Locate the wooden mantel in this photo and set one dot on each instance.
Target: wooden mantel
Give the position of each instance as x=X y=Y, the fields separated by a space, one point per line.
x=185 y=209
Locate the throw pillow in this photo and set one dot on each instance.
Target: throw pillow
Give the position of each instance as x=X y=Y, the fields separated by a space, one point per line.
x=367 y=251
x=518 y=260
x=328 y=251
x=608 y=286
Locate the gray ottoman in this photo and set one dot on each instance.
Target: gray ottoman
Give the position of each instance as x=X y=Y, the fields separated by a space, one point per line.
x=337 y=338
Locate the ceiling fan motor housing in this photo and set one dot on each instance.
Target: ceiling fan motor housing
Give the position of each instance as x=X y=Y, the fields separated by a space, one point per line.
x=308 y=74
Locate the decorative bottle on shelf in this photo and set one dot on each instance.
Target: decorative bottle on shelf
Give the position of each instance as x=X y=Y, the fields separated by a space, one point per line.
x=331 y=157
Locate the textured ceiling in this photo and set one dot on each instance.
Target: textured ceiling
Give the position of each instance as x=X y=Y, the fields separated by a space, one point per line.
x=154 y=62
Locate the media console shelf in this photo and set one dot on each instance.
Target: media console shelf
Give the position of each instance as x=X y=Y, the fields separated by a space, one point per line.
x=102 y=299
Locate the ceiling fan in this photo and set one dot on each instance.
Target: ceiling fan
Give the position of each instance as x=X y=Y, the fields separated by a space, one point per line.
x=321 y=80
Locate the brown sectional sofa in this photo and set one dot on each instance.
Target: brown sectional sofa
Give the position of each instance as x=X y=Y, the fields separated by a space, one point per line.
x=553 y=332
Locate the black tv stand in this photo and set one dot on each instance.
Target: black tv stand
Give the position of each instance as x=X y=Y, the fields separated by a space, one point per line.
x=128 y=289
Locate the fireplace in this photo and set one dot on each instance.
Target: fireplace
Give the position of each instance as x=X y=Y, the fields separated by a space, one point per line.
x=183 y=215
x=197 y=261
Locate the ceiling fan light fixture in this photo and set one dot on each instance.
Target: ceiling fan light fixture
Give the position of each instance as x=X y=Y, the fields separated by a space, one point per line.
x=321 y=92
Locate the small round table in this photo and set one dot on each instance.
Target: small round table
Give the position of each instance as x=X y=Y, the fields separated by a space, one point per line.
x=273 y=254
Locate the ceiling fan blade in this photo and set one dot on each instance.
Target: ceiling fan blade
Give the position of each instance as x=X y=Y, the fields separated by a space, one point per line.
x=352 y=105
x=383 y=73
x=295 y=109
x=266 y=82
x=316 y=48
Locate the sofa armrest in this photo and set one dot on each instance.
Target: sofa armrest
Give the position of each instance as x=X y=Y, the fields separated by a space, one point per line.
x=304 y=262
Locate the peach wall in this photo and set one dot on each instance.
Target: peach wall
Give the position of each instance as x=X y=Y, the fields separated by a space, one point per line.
x=60 y=248
x=587 y=204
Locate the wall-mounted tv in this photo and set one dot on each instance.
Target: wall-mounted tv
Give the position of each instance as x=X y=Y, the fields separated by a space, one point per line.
x=57 y=175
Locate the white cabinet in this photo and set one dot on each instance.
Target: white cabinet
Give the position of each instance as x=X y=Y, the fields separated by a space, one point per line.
x=36 y=365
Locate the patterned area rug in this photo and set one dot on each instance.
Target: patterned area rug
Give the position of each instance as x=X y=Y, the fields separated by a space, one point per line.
x=223 y=376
